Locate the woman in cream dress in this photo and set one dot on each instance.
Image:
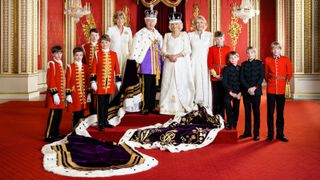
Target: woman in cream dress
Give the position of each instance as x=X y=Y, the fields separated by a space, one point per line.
x=177 y=88
x=121 y=39
x=200 y=41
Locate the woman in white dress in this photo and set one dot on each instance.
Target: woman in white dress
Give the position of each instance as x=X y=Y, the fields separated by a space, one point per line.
x=200 y=41
x=177 y=88
x=121 y=38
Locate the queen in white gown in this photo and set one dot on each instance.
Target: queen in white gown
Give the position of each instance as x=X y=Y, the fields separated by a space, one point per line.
x=177 y=87
x=200 y=41
x=121 y=39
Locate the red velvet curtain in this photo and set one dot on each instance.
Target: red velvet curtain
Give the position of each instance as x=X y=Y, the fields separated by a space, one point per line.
x=163 y=13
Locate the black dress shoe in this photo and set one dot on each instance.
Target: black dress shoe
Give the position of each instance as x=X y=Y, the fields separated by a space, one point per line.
x=145 y=112
x=244 y=136
x=269 y=139
x=283 y=139
x=49 y=139
x=256 y=138
x=101 y=127
x=228 y=126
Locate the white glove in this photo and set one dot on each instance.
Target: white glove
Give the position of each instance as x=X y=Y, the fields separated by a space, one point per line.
x=69 y=98
x=118 y=85
x=56 y=99
x=89 y=98
x=94 y=86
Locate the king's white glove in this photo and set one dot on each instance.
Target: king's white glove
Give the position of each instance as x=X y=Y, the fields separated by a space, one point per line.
x=89 y=98
x=69 y=98
x=94 y=86
x=56 y=99
x=118 y=85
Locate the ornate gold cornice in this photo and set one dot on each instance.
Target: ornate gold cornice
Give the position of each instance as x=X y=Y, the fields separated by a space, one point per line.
x=169 y=3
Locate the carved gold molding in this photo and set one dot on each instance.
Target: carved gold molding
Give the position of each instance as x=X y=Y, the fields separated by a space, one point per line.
x=126 y=11
x=215 y=15
x=107 y=14
x=234 y=31
x=307 y=37
x=89 y=24
x=196 y=13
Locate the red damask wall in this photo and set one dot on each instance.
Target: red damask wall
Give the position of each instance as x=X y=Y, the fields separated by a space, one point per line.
x=55 y=25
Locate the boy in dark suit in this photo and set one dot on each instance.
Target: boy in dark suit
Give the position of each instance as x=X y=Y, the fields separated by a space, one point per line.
x=231 y=83
x=251 y=77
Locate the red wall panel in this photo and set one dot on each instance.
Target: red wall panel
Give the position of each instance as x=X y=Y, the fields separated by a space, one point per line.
x=55 y=25
x=267 y=26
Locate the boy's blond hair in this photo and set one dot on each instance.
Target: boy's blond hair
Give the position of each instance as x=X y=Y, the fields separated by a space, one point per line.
x=275 y=44
x=251 y=48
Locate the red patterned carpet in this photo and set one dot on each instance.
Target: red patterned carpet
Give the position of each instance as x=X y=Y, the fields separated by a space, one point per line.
x=23 y=124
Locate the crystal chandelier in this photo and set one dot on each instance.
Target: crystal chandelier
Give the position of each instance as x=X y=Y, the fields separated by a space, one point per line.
x=74 y=9
x=245 y=11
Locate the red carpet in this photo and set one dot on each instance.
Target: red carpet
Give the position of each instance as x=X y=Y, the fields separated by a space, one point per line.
x=23 y=124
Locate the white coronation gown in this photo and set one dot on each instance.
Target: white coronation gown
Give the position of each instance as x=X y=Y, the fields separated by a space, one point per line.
x=177 y=88
x=199 y=64
x=120 y=43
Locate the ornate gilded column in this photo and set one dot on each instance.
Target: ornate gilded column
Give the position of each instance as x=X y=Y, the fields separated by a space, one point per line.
x=70 y=37
x=280 y=17
x=254 y=29
x=107 y=13
x=19 y=49
x=43 y=44
x=315 y=37
x=214 y=15
x=304 y=46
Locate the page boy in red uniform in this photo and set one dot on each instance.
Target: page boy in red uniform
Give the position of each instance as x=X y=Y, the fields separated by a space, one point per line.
x=278 y=72
x=217 y=60
x=55 y=94
x=89 y=51
x=105 y=71
x=76 y=86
